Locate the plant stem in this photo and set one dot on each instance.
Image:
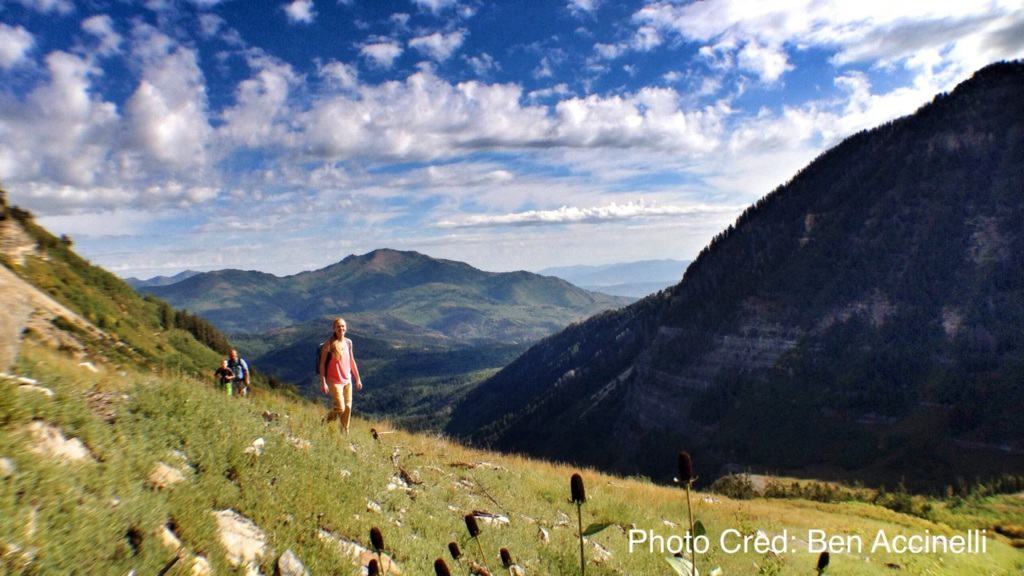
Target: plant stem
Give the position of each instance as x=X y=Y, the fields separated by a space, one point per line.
x=693 y=552
x=483 y=557
x=579 y=523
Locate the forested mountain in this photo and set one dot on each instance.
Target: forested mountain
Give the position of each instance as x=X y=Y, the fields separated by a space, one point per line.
x=865 y=319
x=392 y=290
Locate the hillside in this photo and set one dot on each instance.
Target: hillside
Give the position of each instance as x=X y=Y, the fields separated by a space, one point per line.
x=121 y=471
x=54 y=297
x=863 y=320
x=426 y=330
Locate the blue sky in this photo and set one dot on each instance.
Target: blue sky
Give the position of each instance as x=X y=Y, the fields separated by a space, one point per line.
x=284 y=135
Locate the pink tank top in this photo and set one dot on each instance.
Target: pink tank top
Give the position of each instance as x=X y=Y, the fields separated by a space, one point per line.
x=339 y=368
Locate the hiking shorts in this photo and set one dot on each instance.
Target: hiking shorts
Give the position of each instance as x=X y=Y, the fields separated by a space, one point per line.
x=341 y=396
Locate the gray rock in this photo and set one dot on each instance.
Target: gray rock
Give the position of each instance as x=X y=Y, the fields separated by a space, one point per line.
x=290 y=565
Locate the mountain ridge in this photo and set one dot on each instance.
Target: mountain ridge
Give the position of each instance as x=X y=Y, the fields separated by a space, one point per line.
x=844 y=274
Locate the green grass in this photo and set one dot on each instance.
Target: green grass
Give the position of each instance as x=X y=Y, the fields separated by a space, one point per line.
x=292 y=493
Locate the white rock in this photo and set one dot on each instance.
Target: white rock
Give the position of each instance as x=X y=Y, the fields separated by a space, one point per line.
x=299 y=443
x=357 y=554
x=601 y=554
x=256 y=448
x=373 y=506
x=200 y=567
x=544 y=535
x=492 y=519
x=290 y=565
x=7 y=468
x=89 y=366
x=163 y=476
x=25 y=381
x=48 y=440
x=561 y=519
x=33 y=388
x=243 y=540
x=345 y=473
x=396 y=483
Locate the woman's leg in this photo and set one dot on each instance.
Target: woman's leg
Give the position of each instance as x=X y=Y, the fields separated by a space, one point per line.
x=346 y=414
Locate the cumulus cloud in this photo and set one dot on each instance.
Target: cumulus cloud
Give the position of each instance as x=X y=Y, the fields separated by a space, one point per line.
x=481 y=64
x=46 y=6
x=339 y=74
x=15 y=44
x=427 y=117
x=435 y=6
x=575 y=215
x=60 y=131
x=768 y=62
x=300 y=11
x=261 y=102
x=382 y=53
x=438 y=46
x=583 y=6
x=168 y=110
x=102 y=27
x=753 y=35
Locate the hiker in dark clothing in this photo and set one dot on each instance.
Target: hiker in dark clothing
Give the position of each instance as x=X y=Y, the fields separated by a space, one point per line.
x=225 y=376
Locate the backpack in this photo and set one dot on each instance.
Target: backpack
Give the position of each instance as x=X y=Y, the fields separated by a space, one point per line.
x=238 y=369
x=319 y=350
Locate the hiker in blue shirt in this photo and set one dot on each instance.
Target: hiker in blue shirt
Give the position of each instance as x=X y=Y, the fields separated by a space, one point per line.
x=240 y=369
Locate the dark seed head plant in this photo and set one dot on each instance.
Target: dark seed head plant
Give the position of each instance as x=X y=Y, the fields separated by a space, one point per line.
x=686 y=479
x=578 y=494
x=453 y=549
x=474 y=532
x=823 y=559
x=376 y=539
x=373 y=568
x=440 y=568
x=506 y=558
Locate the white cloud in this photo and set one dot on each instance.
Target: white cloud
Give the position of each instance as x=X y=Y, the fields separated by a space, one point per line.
x=435 y=6
x=609 y=51
x=60 y=134
x=438 y=46
x=955 y=37
x=46 y=6
x=768 y=62
x=260 y=102
x=560 y=89
x=646 y=39
x=481 y=64
x=341 y=75
x=583 y=6
x=168 y=111
x=300 y=11
x=15 y=44
x=102 y=27
x=426 y=117
x=575 y=215
x=381 y=54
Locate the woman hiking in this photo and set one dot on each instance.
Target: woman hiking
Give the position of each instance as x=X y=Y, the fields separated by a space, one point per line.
x=338 y=373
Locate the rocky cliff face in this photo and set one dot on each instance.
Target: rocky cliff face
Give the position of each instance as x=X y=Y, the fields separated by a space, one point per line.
x=883 y=284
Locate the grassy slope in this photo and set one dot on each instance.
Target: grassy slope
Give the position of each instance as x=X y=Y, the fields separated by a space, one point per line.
x=112 y=305
x=291 y=493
